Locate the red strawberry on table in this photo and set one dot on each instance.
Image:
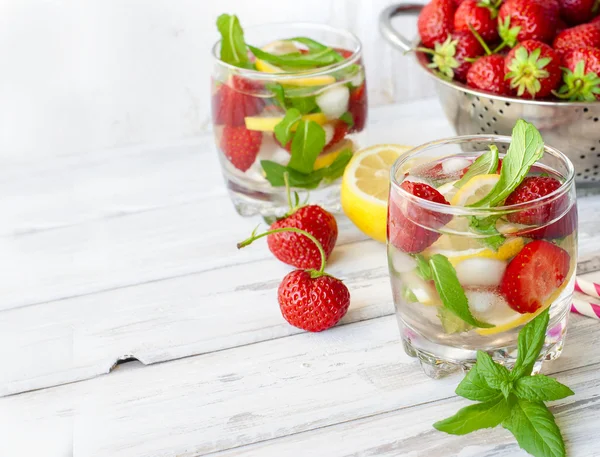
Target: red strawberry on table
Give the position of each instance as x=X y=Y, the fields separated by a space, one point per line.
x=482 y=15
x=312 y=304
x=533 y=188
x=581 y=36
x=487 y=73
x=436 y=21
x=450 y=57
x=357 y=106
x=537 y=19
x=407 y=220
x=533 y=275
x=240 y=146
x=581 y=75
x=533 y=69
x=296 y=249
x=578 y=11
x=230 y=105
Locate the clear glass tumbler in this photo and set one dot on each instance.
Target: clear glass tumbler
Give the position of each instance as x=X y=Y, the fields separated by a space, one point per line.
x=248 y=104
x=507 y=280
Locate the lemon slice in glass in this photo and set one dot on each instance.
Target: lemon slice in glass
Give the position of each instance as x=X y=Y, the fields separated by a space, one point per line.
x=365 y=188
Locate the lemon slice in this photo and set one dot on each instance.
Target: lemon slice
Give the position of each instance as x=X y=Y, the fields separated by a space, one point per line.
x=326 y=159
x=280 y=47
x=474 y=190
x=267 y=124
x=448 y=190
x=365 y=187
x=522 y=319
x=505 y=252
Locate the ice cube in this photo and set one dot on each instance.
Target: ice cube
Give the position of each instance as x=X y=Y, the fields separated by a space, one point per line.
x=401 y=262
x=480 y=271
x=455 y=164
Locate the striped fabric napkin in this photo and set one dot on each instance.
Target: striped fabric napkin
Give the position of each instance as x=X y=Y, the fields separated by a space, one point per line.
x=586 y=293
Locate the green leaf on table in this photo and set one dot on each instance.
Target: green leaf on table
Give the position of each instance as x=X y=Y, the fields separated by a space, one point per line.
x=494 y=374
x=283 y=130
x=297 y=60
x=348 y=119
x=531 y=341
x=279 y=93
x=233 y=47
x=476 y=417
x=484 y=165
x=423 y=268
x=534 y=427
x=307 y=144
x=541 y=388
x=451 y=323
x=304 y=104
x=526 y=148
x=451 y=291
x=474 y=387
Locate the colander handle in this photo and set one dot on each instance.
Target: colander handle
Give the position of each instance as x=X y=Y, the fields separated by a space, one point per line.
x=385 y=24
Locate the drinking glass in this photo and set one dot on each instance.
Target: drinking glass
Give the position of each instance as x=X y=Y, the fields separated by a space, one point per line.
x=419 y=229
x=247 y=104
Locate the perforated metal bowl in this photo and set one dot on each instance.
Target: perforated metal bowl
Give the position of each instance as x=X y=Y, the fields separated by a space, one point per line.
x=571 y=127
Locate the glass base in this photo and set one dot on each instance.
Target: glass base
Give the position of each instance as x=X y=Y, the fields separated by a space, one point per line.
x=273 y=203
x=438 y=361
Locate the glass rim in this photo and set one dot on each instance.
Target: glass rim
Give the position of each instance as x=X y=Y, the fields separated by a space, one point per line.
x=290 y=75
x=564 y=188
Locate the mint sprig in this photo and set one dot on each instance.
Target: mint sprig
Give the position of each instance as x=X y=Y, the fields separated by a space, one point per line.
x=233 y=47
x=514 y=398
x=297 y=60
x=485 y=164
x=308 y=142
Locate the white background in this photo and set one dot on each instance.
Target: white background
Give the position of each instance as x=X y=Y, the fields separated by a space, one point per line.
x=87 y=75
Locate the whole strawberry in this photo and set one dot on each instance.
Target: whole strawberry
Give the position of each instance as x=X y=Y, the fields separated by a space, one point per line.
x=578 y=11
x=581 y=75
x=311 y=300
x=535 y=19
x=534 y=275
x=482 y=15
x=296 y=249
x=412 y=228
x=452 y=57
x=312 y=303
x=487 y=73
x=533 y=69
x=536 y=187
x=581 y=36
x=231 y=104
x=240 y=146
x=436 y=21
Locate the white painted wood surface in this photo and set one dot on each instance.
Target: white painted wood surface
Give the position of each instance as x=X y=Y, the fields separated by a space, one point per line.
x=132 y=252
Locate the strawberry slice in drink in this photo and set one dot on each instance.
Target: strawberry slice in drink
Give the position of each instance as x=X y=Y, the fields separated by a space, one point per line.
x=232 y=104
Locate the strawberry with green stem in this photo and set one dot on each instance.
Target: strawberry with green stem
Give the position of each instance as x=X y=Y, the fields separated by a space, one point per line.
x=487 y=73
x=528 y=20
x=581 y=75
x=481 y=15
x=533 y=69
x=310 y=300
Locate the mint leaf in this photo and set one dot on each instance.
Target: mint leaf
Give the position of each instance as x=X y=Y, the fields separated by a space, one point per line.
x=494 y=374
x=233 y=46
x=348 y=119
x=283 y=130
x=337 y=167
x=274 y=173
x=313 y=45
x=279 y=93
x=307 y=144
x=304 y=104
x=450 y=290
x=423 y=268
x=409 y=295
x=526 y=148
x=297 y=60
x=541 y=388
x=531 y=341
x=451 y=323
x=484 y=165
x=487 y=226
x=476 y=417
x=534 y=427
x=474 y=387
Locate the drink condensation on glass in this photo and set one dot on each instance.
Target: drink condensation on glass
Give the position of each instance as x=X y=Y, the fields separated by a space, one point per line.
x=247 y=104
x=507 y=280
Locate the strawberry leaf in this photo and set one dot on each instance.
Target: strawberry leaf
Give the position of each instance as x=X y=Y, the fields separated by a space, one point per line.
x=233 y=46
x=307 y=144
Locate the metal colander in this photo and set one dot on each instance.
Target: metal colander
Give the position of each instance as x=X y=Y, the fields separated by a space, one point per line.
x=571 y=127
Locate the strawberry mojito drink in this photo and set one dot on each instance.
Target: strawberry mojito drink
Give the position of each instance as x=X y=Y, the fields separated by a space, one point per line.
x=287 y=99
x=479 y=243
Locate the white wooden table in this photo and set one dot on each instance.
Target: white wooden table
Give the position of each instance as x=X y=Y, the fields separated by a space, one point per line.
x=131 y=253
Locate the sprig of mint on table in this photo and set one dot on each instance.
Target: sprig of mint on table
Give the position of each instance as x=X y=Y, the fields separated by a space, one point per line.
x=513 y=398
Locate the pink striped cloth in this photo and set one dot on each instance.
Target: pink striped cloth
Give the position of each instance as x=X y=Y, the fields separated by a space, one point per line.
x=586 y=293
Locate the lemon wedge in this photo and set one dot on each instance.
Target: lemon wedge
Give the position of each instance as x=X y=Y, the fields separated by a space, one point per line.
x=280 y=47
x=267 y=124
x=365 y=187
x=327 y=158
x=474 y=190
x=505 y=252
